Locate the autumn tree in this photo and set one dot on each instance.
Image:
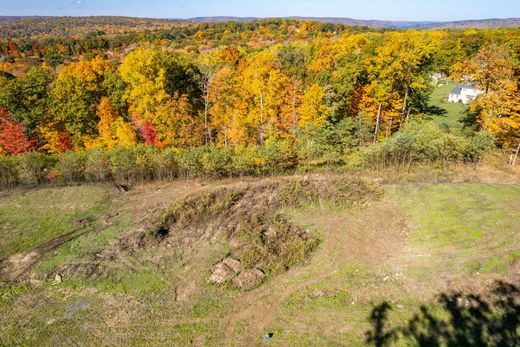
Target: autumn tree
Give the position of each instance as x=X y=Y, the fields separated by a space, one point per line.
x=497 y=109
x=12 y=135
x=75 y=96
x=26 y=97
x=228 y=107
x=313 y=111
x=398 y=73
x=157 y=83
x=113 y=129
x=208 y=65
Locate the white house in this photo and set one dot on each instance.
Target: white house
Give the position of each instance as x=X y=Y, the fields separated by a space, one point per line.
x=463 y=93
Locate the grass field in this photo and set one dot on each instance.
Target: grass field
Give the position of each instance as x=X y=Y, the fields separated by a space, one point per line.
x=452 y=112
x=416 y=241
x=34 y=217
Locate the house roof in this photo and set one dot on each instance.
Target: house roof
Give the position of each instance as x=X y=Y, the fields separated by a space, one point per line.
x=456 y=90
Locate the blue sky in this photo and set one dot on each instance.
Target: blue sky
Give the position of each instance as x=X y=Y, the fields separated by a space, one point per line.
x=359 y=9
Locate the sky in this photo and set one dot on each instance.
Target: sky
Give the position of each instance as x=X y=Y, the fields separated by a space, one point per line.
x=427 y=10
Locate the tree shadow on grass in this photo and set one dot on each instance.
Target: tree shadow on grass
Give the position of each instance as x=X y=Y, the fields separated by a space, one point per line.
x=435 y=111
x=492 y=319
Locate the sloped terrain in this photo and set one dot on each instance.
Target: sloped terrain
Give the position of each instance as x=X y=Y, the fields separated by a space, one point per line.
x=308 y=259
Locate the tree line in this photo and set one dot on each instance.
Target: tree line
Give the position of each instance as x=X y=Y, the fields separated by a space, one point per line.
x=366 y=85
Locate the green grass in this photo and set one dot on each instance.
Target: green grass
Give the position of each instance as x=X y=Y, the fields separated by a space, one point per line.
x=468 y=223
x=463 y=230
x=31 y=218
x=454 y=111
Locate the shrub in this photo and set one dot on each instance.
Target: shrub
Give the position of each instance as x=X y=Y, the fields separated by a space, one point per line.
x=247 y=161
x=278 y=157
x=9 y=171
x=122 y=163
x=35 y=167
x=97 y=166
x=217 y=162
x=190 y=164
x=166 y=164
x=427 y=143
x=329 y=142
x=71 y=166
x=478 y=145
x=144 y=163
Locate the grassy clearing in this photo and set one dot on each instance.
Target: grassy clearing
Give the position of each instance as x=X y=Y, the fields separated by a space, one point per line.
x=403 y=248
x=31 y=218
x=474 y=226
x=453 y=111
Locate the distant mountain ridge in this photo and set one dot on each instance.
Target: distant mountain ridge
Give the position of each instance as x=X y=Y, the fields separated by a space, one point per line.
x=461 y=24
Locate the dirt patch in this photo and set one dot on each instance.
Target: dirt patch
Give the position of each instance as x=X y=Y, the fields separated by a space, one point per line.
x=262 y=242
x=14 y=266
x=261 y=239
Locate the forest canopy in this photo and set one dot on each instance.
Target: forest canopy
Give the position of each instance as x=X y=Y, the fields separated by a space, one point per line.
x=182 y=85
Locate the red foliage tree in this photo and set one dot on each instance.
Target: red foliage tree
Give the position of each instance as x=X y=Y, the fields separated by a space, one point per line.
x=149 y=133
x=12 y=135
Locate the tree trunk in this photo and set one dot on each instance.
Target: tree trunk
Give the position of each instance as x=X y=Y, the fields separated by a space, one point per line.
x=489 y=116
x=513 y=160
x=377 y=122
x=405 y=103
x=206 y=111
x=261 y=131
x=389 y=131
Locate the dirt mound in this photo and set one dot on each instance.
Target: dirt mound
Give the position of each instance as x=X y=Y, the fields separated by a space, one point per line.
x=261 y=240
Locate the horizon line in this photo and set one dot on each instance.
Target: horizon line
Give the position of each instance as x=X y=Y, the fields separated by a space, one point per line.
x=260 y=18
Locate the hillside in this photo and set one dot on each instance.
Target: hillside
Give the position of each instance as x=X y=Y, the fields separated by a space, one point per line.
x=476 y=24
x=463 y=24
x=11 y=27
x=177 y=263
x=16 y=26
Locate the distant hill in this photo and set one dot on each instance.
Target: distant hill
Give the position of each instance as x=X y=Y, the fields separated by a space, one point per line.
x=23 y=26
x=479 y=24
x=463 y=24
x=222 y=19
x=33 y=26
x=11 y=19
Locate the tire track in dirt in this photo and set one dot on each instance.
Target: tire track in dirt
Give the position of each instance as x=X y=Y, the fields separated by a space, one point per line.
x=14 y=267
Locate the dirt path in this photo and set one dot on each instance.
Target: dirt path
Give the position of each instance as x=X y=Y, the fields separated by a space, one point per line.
x=347 y=236
x=14 y=267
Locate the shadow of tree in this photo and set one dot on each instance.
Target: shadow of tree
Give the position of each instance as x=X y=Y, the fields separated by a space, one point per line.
x=433 y=110
x=492 y=319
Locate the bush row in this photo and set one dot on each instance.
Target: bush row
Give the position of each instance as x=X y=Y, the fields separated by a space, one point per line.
x=141 y=163
x=427 y=143
x=417 y=143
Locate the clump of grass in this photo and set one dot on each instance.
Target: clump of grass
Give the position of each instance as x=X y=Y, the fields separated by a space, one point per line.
x=339 y=190
x=274 y=244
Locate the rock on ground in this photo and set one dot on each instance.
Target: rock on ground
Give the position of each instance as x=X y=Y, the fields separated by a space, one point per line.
x=233 y=264
x=221 y=273
x=249 y=279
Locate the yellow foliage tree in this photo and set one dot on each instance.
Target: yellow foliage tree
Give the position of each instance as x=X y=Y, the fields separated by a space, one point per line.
x=313 y=111
x=113 y=129
x=498 y=107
